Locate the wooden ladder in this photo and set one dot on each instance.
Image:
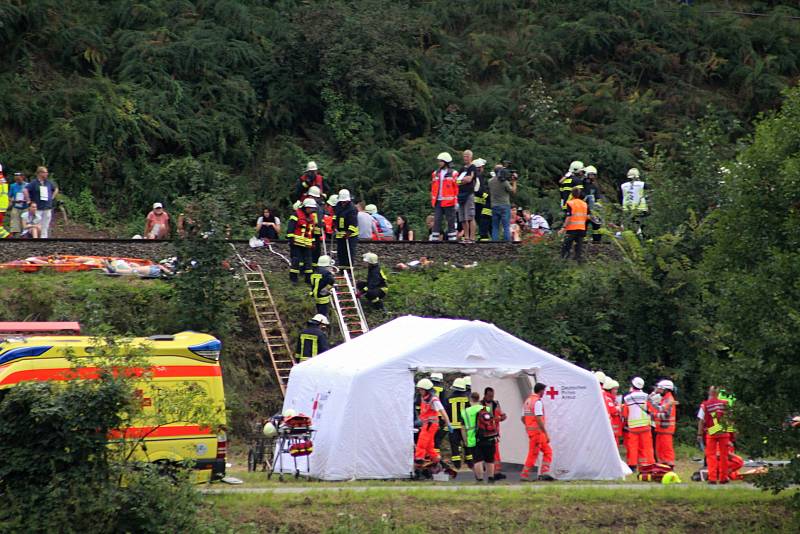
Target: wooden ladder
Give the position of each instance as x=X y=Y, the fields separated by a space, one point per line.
x=349 y=313
x=270 y=325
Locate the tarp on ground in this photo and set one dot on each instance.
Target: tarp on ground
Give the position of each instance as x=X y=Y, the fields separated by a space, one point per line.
x=360 y=397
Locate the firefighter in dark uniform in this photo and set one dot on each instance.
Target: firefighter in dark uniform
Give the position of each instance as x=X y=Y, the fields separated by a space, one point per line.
x=483 y=204
x=573 y=178
x=375 y=288
x=313 y=340
x=319 y=224
x=301 y=228
x=322 y=282
x=294 y=271
x=457 y=402
x=345 y=224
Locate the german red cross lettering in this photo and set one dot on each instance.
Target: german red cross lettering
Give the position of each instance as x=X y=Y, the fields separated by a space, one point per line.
x=552 y=392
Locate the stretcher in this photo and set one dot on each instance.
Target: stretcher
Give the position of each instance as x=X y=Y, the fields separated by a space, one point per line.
x=294 y=439
x=64 y=263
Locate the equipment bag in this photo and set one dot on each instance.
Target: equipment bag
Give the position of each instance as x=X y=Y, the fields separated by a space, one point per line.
x=301 y=448
x=653 y=472
x=486 y=425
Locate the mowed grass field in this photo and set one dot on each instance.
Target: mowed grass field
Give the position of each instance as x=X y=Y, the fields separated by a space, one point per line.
x=552 y=509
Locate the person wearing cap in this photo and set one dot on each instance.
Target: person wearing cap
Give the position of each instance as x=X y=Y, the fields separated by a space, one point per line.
x=268 y=226
x=156 y=225
x=466 y=196
x=301 y=232
x=572 y=179
x=313 y=340
x=431 y=410
x=457 y=401
x=345 y=223
x=375 y=287
x=310 y=178
x=383 y=227
x=483 y=203
x=636 y=412
x=613 y=407
x=16 y=194
x=665 y=419
x=444 y=193
x=322 y=281
x=43 y=192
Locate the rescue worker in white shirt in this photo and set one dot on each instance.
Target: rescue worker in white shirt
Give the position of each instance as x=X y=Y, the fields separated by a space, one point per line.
x=633 y=197
x=457 y=402
x=312 y=340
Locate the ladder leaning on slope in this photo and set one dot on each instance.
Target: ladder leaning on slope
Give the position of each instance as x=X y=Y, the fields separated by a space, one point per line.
x=349 y=313
x=273 y=333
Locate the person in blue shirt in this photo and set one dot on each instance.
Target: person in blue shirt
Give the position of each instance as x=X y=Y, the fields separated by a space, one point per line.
x=43 y=192
x=385 y=231
x=16 y=197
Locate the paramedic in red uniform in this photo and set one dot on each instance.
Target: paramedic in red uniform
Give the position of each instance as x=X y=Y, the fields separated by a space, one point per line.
x=713 y=425
x=538 y=440
x=430 y=410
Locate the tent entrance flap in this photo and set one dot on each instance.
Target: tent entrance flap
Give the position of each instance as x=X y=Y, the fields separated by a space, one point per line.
x=488 y=372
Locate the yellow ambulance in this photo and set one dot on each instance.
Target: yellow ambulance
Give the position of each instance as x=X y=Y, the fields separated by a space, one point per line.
x=175 y=361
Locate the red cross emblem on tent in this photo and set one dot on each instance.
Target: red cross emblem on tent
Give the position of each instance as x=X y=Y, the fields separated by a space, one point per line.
x=552 y=392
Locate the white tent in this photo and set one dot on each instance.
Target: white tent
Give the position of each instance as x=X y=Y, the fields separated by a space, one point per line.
x=360 y=397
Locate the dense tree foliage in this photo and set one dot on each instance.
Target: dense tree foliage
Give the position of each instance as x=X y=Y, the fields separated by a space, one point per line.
x=157 y=99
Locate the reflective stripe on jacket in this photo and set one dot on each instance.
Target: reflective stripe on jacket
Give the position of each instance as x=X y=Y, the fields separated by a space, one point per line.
x=665 y=418
x=636 y=409
x=449 y=187
x=579 y=215
x=531 y=422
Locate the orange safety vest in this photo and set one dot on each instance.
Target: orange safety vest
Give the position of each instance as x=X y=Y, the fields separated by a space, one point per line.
x=614 y=412
x=304 y=230
x=579 y=215
x=449 y=188
x=531 y=422
x=665 y=420
x=427 y=413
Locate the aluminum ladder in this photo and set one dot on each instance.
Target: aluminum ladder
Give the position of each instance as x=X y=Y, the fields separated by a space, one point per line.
x=273 y=333
x=349 y=313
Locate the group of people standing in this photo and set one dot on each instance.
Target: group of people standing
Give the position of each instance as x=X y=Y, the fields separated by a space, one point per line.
x=29 y=205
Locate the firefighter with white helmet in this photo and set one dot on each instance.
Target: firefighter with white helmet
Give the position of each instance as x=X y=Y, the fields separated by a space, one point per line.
x=572 y=179
x=456 y=404
x=430 y=411
x=374 y=289
x=633 y=196
x=309 y=179
x=636 y=412
x=345 y=227
x=665 y=422
x=300 y=233
x=322 y=282
x=313 y=340
x=444 y=194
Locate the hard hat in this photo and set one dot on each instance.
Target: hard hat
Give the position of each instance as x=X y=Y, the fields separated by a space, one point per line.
x=480 y=162
x=297 y=205
x=576 y=166
x=333 y=200
x=600 y=375
x=324 y=261
x=468 y=381
x=311 y=166
x=321 y=319
x=438 y=377
x=638 y=382
x=610 y=384
x=371 y=258
x=314 y=191
x=591 y=169
x=666 y=384
x=270 y=431
x=288 y=412
x=344 y=195
x=425 y=384
x=371 y=208
x=633 y=173
x=445 y=156
x=459 y=385
x=671 y=478
x=309 y=203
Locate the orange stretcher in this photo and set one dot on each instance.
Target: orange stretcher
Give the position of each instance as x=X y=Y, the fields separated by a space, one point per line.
x=63 y=264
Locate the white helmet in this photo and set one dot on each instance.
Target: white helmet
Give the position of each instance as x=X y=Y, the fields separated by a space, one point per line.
x=425 y=384
x=591 y=169
x=321 y=319
x=309 y=203
x=610 y=384
x=459 y=385
x=371 y=208
x=314 y=191
x=288 y=412
x=270 y=431
x=324 y=261
x=333 y=200
x=438 y=377
x=576 y=166
x=344 y=195
x=600 y=375
x=371 y=258
x=480 y=162
x=311 y=166
x=638 y=382
x=445 y=156
x=666 y=384
x=468 y=381
x=633 y=173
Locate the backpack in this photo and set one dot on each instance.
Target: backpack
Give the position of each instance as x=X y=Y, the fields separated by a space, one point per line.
x=653 y=472
x=486 y=425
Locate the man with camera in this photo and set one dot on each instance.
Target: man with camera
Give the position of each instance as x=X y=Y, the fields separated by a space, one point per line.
x=502 y=185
